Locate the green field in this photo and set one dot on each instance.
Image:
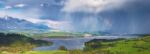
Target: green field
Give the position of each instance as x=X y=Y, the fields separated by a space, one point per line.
x=21 y=44
x=131 y=46
x=37 y=52
x=46 y=52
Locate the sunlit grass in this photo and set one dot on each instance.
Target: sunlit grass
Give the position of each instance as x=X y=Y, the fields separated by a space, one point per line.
x=36 y=52
x=46 y=52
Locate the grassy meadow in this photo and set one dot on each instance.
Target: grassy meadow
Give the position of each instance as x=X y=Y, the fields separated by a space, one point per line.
x=21 y=44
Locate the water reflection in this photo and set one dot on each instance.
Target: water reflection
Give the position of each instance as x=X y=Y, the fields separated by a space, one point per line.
x=74 y=43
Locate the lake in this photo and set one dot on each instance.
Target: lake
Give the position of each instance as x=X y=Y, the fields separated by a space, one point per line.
x=74 y=42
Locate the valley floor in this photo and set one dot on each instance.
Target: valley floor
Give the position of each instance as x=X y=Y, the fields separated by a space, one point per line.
x=96 y=46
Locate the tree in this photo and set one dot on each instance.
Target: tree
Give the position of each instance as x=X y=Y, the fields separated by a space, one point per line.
x=62 y=48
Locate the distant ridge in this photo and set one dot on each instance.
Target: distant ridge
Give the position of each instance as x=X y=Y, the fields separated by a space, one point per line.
x=9 y=23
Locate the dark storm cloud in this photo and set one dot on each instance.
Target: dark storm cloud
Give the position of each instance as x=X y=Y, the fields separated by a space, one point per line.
x=133 y=17
x=123 y=16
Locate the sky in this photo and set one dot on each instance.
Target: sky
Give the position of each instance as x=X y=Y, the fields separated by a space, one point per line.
x=114 y=16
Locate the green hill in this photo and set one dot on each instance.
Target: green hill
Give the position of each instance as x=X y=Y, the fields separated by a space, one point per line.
x=15 y=42
x=131 y=46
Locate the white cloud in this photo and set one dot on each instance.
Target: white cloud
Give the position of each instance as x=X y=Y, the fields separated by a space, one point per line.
x=8 y=7
x=93 y=22
x=20 y=5
x=49 y=23
x=17 y=5
x=91 y=5
x=42 y=5
x=33 y=19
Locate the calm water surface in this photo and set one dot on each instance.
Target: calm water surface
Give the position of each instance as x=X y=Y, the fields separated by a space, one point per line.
x=74 y=43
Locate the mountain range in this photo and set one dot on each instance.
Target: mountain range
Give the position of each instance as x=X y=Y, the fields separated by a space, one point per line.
x=9 y=23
